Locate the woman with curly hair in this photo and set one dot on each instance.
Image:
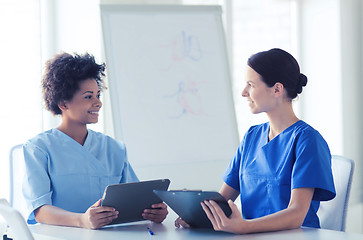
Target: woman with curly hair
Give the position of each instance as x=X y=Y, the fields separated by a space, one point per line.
x=68 y=167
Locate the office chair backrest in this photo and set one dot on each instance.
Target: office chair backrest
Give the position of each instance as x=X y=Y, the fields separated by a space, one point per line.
x=332 y=214
x=18 y=228
x=17 y=172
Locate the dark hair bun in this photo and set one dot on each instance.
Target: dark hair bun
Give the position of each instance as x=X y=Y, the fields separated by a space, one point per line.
x=303 y=80
x=277 y=65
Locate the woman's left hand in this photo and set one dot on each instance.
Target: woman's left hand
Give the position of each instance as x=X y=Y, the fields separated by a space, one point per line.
x=234 y=223
x=157 y=214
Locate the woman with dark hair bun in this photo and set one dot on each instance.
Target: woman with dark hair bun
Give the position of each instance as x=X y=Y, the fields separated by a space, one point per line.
x=68 y=167
x=282 y=168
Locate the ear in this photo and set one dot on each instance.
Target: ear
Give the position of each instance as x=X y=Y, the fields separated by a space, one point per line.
x=63 y=106
x=278 y=89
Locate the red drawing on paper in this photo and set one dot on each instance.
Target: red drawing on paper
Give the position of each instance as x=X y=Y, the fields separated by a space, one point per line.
x=188 y=99
x=183 y=47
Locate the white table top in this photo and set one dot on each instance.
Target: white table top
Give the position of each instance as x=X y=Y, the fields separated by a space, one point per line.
x=166 y=230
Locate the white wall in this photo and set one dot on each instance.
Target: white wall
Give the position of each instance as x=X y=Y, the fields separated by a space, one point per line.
x=257 y=26
x=330 y=50
x=352 y=86
x=20 y=114
x=319 y=55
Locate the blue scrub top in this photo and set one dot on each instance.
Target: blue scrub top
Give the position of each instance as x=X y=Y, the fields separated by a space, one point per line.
x=265 y=172
x=63 y=173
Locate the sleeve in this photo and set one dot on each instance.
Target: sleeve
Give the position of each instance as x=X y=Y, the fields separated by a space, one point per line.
x=128 y=174
x=231 y=174
x=312 y=167
x=36 y=186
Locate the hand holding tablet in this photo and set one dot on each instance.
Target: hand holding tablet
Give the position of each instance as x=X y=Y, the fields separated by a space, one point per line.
x=131 y=199
x=187 y=204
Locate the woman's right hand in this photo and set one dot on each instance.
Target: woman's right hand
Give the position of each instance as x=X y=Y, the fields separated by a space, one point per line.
x=181 y=223
x=98 y=216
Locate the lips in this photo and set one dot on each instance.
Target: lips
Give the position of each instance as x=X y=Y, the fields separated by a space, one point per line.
x=93 y=112
x=250 y=103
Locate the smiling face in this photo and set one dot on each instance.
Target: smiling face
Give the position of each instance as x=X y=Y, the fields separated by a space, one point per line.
x=83 y=108
x=259 y=96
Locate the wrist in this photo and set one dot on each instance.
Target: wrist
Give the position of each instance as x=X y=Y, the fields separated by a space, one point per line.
x=245 y=227
x=80 y=220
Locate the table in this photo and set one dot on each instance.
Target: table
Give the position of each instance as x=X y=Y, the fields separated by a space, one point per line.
x=166 y=230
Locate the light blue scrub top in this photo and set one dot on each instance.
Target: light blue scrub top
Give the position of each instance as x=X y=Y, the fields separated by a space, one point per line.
x=265 y=172
x=63 y=173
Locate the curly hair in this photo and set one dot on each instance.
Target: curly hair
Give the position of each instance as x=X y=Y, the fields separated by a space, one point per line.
x=63 y=74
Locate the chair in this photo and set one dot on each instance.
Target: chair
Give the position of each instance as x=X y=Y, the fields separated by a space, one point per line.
x=332 y=214
x=18 y=228
x=17 y=172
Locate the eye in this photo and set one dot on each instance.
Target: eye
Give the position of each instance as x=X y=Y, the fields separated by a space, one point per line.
x=99 y=96
x=88 y=97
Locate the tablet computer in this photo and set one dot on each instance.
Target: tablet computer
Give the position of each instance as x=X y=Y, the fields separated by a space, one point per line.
x=130 y=199
x=187 y=205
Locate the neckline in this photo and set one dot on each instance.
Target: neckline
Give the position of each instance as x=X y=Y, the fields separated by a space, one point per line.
x=285 y=130
x=71 y=139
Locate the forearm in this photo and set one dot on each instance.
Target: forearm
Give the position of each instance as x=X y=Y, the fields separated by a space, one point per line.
x=289 y=218
x=56 y=216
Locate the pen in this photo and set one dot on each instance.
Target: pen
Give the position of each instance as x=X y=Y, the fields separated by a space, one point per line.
x=150 y=232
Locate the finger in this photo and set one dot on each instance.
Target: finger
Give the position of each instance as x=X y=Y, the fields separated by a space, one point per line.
x=184 y=224
x=214 y=213
x=157 y=215
x=163 y=211
x=209 y=215
x=103 y=223
x=233 y=207
x=181 y=223
x=218 y=209
x=176 y=222
x=96 y=204
x=159 y=205
x=100 y=222
x=112 y=215
x=153 y=217
x=102 y=217
x=102 y=209
x=220 y=213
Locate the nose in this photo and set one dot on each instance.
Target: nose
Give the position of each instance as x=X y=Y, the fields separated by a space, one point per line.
x=244 y=92
x=98 y=103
